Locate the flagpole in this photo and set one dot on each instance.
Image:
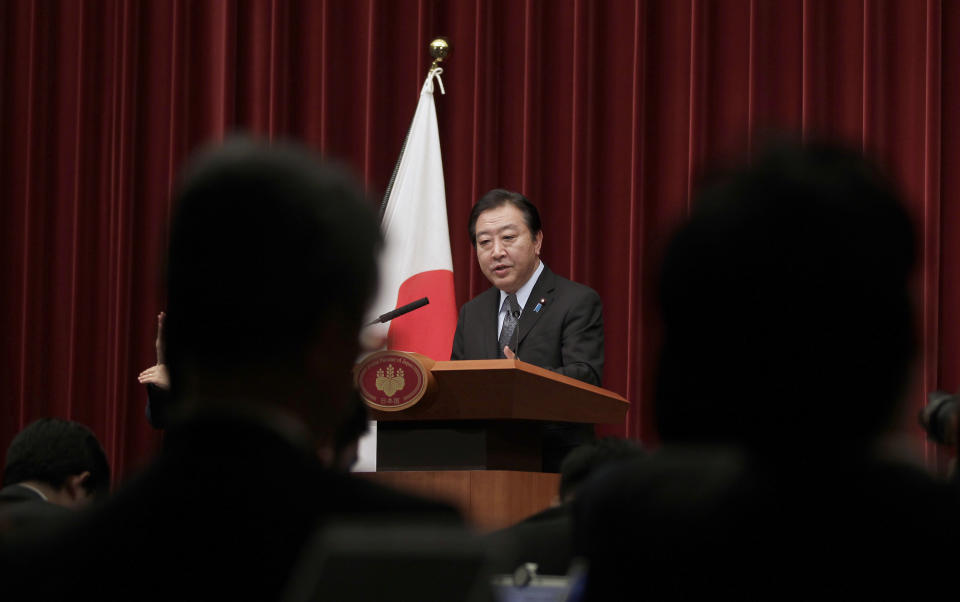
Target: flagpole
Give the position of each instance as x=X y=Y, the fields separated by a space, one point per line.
x=439 y=50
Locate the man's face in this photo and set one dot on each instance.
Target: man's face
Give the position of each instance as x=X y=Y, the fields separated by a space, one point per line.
x=508 y=253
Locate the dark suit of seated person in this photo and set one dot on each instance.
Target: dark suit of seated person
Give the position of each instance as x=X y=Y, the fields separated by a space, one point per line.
x=545 y=537
x=787 y=349
x=52 y=466
x=559 y=323
x=270 y=267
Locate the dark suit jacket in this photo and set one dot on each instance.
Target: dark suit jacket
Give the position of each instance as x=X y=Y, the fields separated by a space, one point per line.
x=14 y=495
x=222 y=514
x=565 y=335
x=712 y=523
x=158 y=406
x=22 y=507
x=544 y=538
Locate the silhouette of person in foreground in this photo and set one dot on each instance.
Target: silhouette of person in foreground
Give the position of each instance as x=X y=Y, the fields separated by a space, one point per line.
x=787 y=346
x=340 y=450
x=545 y=537
x=270 y=268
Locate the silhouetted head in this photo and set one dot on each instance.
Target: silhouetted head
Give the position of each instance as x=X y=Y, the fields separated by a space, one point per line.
x=271 y=265
x=787 y=314
x=591 y=458
x=62 y=455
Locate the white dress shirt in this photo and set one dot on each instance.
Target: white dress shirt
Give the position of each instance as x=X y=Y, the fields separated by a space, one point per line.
x=523 y=293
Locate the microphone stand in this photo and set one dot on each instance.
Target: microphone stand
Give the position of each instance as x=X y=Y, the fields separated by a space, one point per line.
x=516 y=336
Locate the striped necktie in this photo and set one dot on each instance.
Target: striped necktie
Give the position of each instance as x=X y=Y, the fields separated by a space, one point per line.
x=512 y=307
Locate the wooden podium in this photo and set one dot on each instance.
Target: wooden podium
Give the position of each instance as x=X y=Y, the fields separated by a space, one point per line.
x=474 y=437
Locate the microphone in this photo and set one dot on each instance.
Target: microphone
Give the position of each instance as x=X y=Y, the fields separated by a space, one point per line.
x=396 y=313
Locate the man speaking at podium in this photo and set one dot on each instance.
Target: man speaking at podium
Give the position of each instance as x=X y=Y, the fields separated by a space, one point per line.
x=529 y=313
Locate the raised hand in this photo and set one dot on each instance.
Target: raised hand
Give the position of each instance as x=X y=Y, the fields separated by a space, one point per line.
x=157 y=375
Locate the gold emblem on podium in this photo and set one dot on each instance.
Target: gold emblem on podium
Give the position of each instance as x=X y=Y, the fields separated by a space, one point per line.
x=390 y=382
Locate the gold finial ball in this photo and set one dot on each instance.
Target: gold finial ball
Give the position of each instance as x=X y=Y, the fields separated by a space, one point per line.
x=439 y=49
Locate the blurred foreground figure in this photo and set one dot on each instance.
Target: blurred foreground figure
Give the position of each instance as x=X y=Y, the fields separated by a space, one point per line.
x=544 y=538
x=270 y=268
x=52 y=465
x=788 y=341
x=341 y=450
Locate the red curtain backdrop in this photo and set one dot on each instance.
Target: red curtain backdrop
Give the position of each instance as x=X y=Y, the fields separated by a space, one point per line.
x=602 y=112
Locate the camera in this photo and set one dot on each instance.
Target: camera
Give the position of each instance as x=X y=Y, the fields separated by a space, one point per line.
x=939 y=417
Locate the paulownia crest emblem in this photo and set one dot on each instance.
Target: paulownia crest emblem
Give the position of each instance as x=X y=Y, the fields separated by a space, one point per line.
x=390 y=382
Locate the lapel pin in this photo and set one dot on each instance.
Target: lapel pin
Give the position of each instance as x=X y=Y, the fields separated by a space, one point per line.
x=539 y=306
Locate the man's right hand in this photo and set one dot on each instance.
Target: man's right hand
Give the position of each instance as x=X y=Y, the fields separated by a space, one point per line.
x=156 y=375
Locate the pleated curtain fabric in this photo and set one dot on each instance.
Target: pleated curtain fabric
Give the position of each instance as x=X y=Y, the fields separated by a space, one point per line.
x=603 y=113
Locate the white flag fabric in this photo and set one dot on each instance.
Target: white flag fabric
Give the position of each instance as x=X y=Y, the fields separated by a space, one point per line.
x=416 y=260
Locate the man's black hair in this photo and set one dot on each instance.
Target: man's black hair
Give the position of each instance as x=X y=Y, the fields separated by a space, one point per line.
x=786 y=305
x=585 y=460
x=259 y=258
x=50 y=450
x=499 y=197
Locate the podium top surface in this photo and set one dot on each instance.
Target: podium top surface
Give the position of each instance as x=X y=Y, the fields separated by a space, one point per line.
x=510 y=390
